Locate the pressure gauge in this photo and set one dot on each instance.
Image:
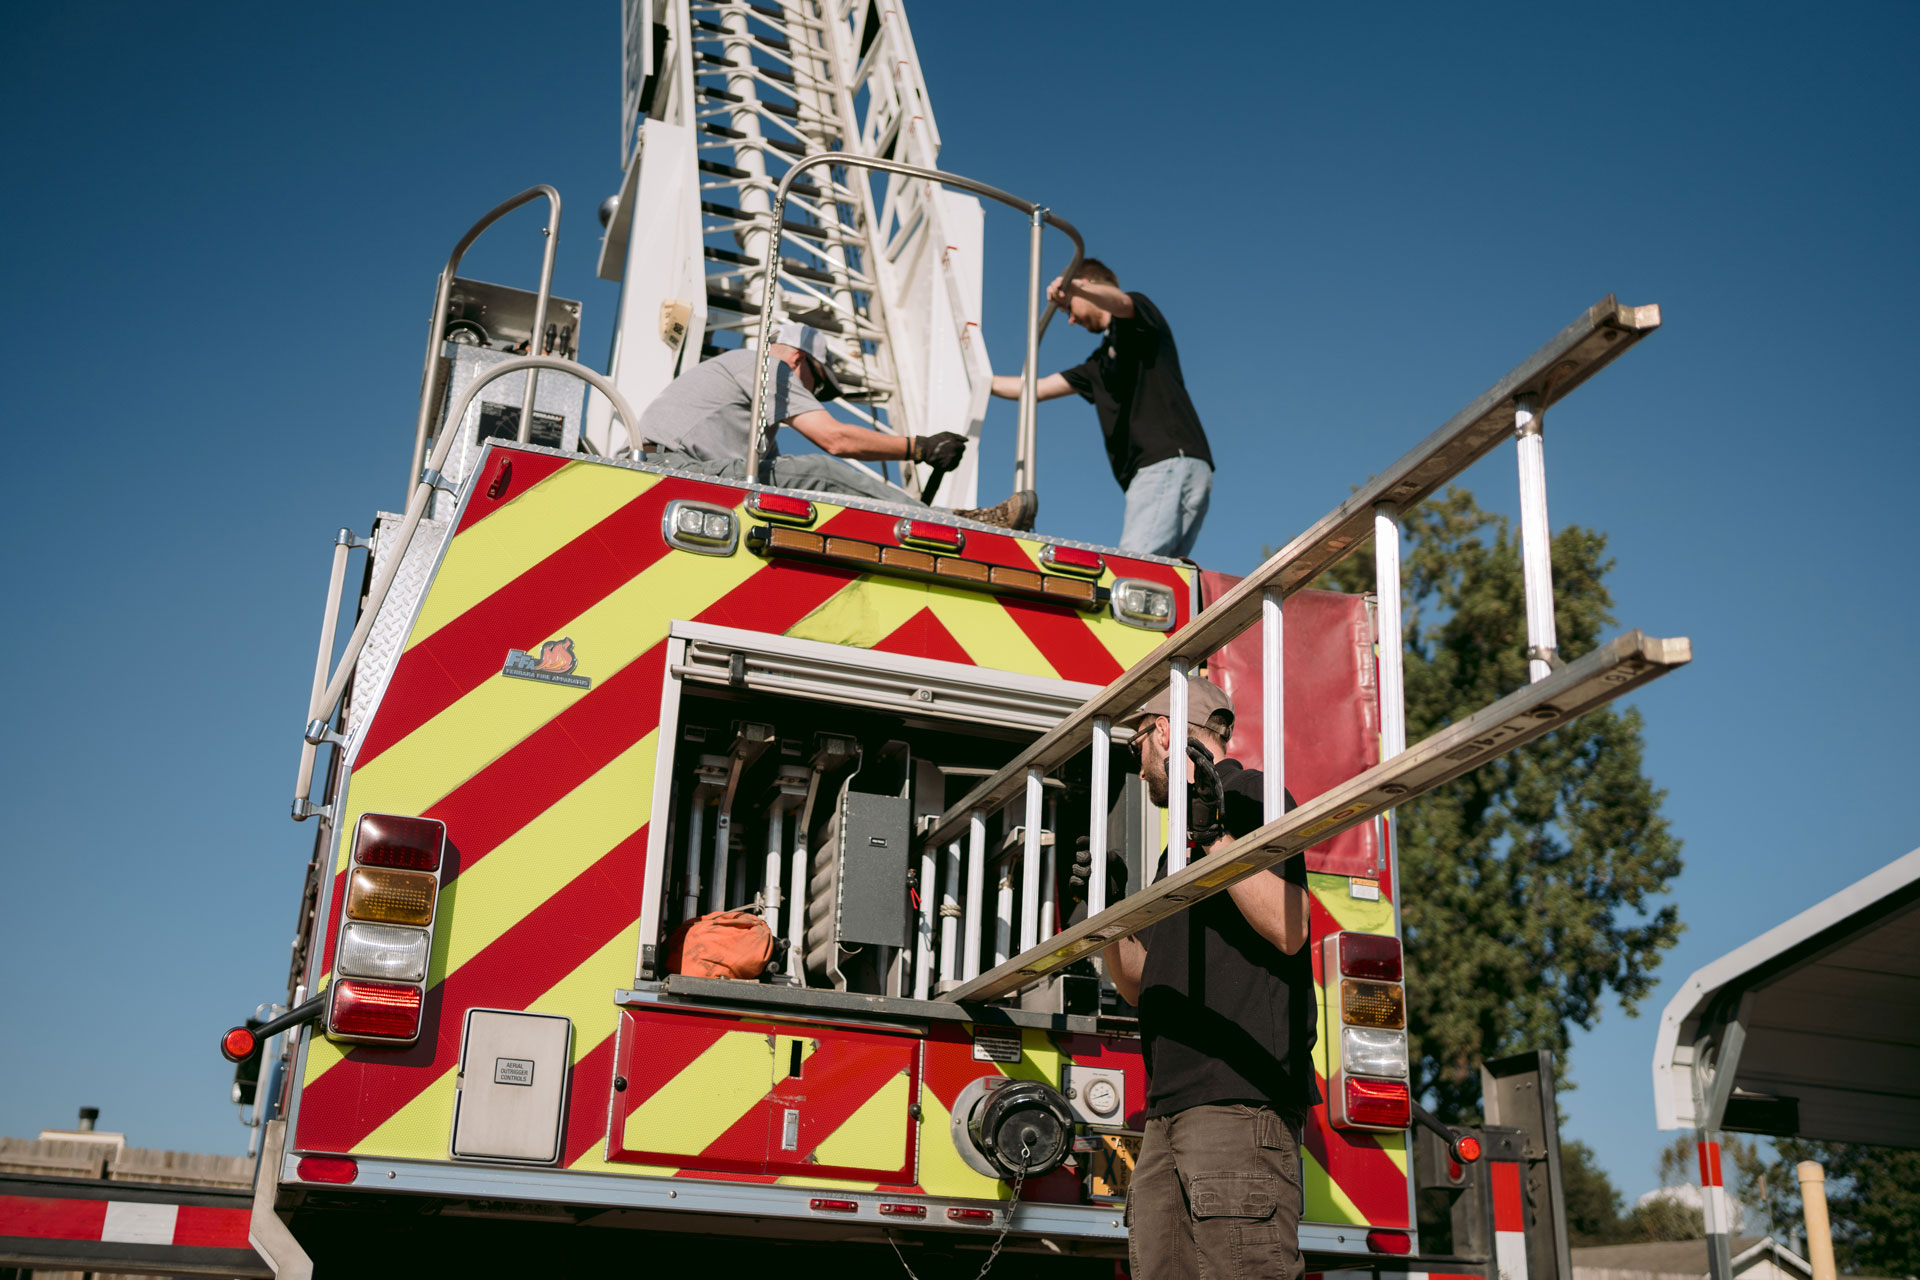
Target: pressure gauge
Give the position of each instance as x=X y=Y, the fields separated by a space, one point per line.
x=1102 y=1098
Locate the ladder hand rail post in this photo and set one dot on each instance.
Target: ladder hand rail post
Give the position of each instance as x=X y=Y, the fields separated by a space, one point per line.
x=1177 y=765
x=537 y=342
x=1097 y=816
x=323 y=705
x=1025 y=455
x=443 y=294
x=762 y=431
x=950 y=893
x=1030 y=864
x=1273 y=701
x=343 y=544
x=923 y=941
x=1536 y=537
x=1386 y=585
x=975 y=899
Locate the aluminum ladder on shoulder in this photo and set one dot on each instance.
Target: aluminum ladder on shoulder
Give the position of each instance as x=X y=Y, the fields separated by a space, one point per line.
x=1557 y=695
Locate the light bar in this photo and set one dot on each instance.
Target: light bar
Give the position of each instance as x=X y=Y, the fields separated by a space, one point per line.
x=912 y=562
x=1616 y=668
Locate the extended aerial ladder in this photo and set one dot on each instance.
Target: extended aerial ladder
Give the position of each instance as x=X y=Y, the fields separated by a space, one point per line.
x=720 y=99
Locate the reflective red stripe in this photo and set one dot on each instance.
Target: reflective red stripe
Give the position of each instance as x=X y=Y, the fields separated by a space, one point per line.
x=48 y=1218
x=1710 y=1164
x=1508 y=1214
x=204 y=1227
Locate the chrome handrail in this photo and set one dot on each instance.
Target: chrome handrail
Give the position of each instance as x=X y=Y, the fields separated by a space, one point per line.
x=321 y=709
x=443 y=294
x=1024 y=448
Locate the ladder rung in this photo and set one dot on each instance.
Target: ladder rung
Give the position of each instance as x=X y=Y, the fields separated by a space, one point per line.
x=721 y=131
x=1575 y=354
x=722 y=170
x=1601 y=676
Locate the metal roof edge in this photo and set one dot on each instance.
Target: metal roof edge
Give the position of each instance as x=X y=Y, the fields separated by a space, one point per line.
x=1672 y=1079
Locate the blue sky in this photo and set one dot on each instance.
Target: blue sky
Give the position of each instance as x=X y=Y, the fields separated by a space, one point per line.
x=226 y=224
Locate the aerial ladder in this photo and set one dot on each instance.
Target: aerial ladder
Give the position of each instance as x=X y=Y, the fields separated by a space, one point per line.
x=721 y=98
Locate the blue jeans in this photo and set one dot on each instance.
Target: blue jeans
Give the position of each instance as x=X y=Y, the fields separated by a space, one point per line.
x=1165 y=504
x=811 y=472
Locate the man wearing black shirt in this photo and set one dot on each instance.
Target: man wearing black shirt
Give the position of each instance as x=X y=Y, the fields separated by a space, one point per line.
x=1154 y=440
x=1228 y=1015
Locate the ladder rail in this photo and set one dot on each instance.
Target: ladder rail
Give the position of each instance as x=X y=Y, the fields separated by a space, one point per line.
x=1614 y=669
x=1596 y=338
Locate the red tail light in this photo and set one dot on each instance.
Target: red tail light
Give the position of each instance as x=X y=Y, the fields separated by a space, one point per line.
x=1377 y=1104
x=778 y=506
x=834 y=1206
x=1467 y=1149
x=903 y=1211
x=927 y=533
x=1072 y=560
x=1370 y=955
x=378 y=1010
x=1389 y=1242
x=327 y=1169
x=406 y=844
x=971 y=1215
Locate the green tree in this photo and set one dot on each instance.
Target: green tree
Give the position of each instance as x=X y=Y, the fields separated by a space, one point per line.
x=1529 y=884
x=1873 y=1202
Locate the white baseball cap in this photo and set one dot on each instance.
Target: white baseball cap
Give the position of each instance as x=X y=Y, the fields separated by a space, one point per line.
x=811 y=343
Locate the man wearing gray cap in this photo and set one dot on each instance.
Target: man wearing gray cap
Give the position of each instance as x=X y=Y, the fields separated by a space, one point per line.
x=1228 y=1019
x=703 y=422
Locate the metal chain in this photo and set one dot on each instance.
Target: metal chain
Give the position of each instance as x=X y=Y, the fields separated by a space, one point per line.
x=1013 y=1202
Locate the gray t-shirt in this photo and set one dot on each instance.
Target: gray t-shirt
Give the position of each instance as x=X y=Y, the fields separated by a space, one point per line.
x=708 y=411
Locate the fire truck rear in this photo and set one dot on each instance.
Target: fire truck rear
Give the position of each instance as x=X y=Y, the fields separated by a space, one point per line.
x=590 y=701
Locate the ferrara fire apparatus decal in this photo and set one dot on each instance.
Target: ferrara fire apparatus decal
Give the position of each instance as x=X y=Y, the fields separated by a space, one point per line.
x=545 y=787
x=552 y=664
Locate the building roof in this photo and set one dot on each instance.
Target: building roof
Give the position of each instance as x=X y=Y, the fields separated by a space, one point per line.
x=1822 y=1011
x=1684 y=1257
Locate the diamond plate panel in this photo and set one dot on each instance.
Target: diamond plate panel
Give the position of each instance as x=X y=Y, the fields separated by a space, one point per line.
x=390 y=625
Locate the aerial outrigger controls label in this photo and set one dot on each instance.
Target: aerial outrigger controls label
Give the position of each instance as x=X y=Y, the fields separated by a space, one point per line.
x=553 y=664
x=513 y=1071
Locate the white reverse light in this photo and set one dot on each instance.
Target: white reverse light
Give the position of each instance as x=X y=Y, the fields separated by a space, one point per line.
x=1366 y=1052
x=390 y=952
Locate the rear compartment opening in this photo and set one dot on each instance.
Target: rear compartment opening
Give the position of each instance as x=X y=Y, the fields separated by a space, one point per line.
x=795 y=780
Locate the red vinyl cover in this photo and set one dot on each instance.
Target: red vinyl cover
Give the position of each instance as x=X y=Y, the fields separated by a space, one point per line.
x=1332 y=707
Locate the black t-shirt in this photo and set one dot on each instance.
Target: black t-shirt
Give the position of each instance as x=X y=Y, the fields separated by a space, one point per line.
x=1133 y=378
x=1226 y=1015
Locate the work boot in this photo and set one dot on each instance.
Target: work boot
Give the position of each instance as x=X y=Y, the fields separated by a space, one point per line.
x=1016 y=512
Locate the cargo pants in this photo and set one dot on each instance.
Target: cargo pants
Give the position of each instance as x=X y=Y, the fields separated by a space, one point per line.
x=1217 y=1194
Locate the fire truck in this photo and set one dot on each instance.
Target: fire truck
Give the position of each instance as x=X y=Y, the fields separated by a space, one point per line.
x=587 y=700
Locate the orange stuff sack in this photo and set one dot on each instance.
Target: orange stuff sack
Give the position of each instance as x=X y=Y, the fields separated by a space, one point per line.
x=725 y=944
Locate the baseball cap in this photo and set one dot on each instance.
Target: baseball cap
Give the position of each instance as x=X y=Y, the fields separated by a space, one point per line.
x=812 y=343
x=1204 y=700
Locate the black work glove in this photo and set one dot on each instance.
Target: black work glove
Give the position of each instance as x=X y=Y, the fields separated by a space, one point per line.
x=1082 y=874
x=941 y=450
x=1206 y=803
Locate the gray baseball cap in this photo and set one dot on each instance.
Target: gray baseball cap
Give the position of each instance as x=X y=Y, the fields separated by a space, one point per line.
x=811 y=343
x=1204 y=700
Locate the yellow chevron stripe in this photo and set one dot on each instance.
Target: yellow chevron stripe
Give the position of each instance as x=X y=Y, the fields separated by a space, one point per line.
x=942 y=1171
x=1351 y=913
x=1127 y=644
x=518 y=536
x=719 y=1087
x=1325 y=1201
x=495 y=717
x=542 y=858
x=875 y=1135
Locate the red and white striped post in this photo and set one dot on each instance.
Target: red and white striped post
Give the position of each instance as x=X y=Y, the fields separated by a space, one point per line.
x=1509 y=1220
x=1715 y=1208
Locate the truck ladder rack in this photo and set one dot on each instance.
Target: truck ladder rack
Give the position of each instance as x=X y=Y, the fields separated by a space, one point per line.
x=1513 y=405
x=1575 y=689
